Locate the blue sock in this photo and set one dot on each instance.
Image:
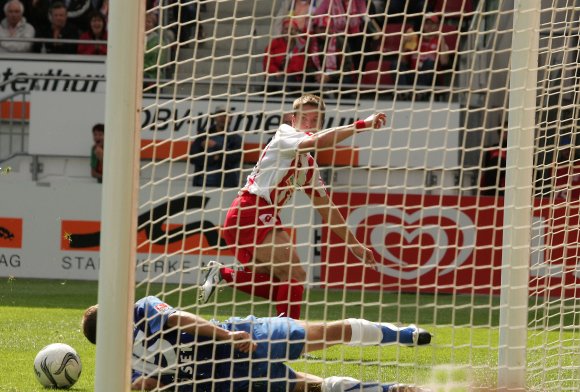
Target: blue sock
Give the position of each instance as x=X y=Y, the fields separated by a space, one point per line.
x=392 y=334
x=406 y=335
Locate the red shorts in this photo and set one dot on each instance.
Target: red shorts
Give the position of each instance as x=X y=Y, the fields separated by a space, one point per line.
x=249 y=219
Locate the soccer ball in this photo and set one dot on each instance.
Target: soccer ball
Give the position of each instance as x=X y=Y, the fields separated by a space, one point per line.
x=57 y=366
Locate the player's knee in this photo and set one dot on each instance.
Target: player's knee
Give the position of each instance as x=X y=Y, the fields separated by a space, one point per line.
x=290 y=273
x=299 y=275
x=282 y=274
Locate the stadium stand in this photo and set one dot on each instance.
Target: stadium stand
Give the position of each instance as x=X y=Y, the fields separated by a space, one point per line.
x=452 y=8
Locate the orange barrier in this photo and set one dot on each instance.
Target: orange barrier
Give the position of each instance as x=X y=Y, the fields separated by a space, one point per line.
x=164 y=149
x=15 y=110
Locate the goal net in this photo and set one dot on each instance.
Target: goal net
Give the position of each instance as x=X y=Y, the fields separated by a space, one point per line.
x=427 y=193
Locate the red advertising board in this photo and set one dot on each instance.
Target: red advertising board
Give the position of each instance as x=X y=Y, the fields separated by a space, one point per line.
x=11 y=233
x=448 y=244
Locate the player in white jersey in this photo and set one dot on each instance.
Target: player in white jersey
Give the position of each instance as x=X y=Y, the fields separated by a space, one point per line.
x=253 y=226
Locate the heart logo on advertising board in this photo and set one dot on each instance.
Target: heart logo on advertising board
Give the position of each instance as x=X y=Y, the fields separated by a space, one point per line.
x=449 y=233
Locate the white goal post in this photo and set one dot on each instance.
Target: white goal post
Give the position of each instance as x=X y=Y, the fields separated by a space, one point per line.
x=516 y=249
x=469 y=197
x=120 y=195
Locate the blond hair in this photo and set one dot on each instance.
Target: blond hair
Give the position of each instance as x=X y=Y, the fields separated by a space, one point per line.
x=310 y=100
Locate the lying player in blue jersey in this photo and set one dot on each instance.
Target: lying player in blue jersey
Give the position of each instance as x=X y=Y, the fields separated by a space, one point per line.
x=183 y=352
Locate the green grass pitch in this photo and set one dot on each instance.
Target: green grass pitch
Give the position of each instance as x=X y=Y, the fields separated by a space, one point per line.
x=34 y=313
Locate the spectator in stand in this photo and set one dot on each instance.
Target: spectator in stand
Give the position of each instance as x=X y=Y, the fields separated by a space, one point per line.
x=36 y=13
x=298 y=11
x=379 y=10
x=187 y=13
x=567 y=172
x=404 y=11
x=97 y=32
x=14 y=26
x=97 y=152
x=155 y=56
x=285 y=59
x=217 y=154
x=184 y=11
x=59 y=28
x=428 y=50
x=340 y=27
x=493 y=166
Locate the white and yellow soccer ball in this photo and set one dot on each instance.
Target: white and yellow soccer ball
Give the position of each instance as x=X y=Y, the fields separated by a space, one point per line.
x=57 y=366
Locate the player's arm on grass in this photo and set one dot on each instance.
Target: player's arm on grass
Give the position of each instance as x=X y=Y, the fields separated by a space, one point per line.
x=196 y=325
x=146 y=384
x=331 y=215
x=330 y=137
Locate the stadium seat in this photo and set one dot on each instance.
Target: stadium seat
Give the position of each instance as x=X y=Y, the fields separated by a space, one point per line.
x=451 y=35
x=391 y=43
x=453 y=8
x=378 y=71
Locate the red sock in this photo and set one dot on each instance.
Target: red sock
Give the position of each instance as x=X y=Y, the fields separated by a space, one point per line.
x=253 y=284
x=288 y=299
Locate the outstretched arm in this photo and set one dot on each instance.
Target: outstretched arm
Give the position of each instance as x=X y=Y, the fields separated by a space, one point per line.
x=332 y=216
x=443 y=52
x=146 y=384
x=332 y=136
x=196 y=325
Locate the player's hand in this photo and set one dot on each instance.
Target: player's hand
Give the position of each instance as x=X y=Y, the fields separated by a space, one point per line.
x=147 y=384
x=444 y=46
x=322 y=78
x=365 y=255
x=208 y=143
x=376 y=120
x=243 y=341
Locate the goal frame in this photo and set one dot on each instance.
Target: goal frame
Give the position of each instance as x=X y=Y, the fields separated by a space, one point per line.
x=120 y=195
x=518 y=200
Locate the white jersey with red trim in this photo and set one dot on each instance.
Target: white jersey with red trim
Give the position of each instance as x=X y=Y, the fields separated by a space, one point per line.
x=280 y=170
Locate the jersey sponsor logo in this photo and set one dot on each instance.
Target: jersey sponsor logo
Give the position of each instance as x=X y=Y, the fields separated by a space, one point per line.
x=162 y=307
x=266 y=219
x=11 y=233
